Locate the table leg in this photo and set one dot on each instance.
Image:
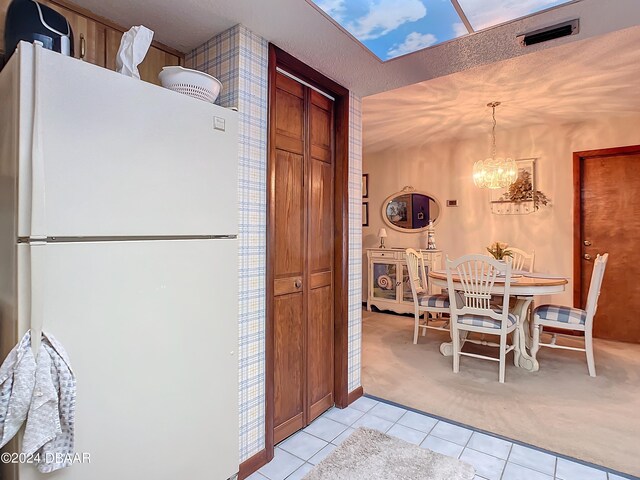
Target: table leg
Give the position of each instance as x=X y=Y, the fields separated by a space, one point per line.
x=521 y=357
x=446 y=348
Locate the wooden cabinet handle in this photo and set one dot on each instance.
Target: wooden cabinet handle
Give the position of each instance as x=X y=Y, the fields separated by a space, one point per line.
x=83 y=46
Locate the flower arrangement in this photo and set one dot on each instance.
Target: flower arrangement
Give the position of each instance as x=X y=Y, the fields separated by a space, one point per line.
x=499 y=250
x=522 y=190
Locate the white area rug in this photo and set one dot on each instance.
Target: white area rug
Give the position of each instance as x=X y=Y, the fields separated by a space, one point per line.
x=372 y=455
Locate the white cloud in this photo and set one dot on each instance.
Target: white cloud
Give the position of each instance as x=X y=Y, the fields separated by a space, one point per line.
x=414 y=41
x=483 y=14
x=459 y=29
x=334 y=8
x=384 y=16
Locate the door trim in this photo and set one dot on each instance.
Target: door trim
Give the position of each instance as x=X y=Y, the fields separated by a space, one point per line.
x=578 y=160
x=279 y=58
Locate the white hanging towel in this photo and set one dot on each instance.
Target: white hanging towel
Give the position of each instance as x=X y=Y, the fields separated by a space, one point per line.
x=51 y=417
x=17 y=379
x=51 y=407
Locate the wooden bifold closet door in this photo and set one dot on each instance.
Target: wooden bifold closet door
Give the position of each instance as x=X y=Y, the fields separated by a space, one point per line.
x=301 y=172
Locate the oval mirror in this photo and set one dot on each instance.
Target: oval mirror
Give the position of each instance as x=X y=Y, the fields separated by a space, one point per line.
x=410 y=210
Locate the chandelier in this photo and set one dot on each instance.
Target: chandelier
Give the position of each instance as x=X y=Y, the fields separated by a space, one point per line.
x=494 y=172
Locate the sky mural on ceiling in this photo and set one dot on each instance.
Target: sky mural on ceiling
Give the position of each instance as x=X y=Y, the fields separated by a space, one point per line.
x=391 y=28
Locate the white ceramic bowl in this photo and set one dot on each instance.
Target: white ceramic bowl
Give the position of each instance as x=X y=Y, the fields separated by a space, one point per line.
x=196 y=84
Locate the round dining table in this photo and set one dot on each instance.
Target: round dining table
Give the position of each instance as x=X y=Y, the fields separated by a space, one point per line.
x=523 y=288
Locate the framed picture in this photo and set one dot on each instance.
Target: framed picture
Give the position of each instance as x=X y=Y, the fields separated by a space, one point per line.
x=526 y=176
x=365 y=185
x=365 y=214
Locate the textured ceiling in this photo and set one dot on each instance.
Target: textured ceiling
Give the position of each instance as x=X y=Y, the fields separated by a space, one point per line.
x=579 y=81
x=302 y=30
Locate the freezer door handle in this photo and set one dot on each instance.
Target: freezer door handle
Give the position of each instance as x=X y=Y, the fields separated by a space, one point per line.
x=38 y=223
x=37 y=252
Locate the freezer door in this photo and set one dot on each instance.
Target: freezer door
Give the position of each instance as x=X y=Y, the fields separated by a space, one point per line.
x=115 y=156
x=152 y=333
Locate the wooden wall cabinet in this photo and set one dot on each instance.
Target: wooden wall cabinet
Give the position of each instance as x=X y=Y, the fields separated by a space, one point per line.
x=97 y=40
x=388 y=278
x=88 y=35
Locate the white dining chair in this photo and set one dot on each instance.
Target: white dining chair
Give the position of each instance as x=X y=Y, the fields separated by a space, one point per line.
x=472 y=311
x=521 y=260
x=424 y=302
x=568 y=318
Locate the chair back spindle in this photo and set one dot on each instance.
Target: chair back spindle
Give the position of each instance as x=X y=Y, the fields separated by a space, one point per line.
x=595 y=286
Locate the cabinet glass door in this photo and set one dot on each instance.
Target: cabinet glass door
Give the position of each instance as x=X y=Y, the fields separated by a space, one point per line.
x=407 y=296
x=384 y=281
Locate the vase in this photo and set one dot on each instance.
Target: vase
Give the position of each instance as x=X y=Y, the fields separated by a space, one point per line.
x=504 y=262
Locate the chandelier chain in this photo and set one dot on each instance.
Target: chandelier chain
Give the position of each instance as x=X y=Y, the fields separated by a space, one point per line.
x=493 y=133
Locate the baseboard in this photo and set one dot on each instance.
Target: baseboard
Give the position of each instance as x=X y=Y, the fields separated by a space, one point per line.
x=354 y=395
x=252 y=464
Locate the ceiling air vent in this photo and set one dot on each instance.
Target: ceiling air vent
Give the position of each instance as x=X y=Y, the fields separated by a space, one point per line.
x=564 y=29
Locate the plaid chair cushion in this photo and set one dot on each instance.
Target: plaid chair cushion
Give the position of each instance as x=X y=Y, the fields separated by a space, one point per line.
x=557 y=313
x=436 y=301
x=486 y=322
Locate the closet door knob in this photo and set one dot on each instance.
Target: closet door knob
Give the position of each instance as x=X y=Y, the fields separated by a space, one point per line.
x=298 y=283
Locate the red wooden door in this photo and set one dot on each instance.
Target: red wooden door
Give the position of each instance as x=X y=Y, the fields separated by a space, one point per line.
x=610 y=223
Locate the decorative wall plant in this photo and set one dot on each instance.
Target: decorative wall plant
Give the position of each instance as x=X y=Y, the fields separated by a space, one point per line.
x=521 y=197
x=522 y=191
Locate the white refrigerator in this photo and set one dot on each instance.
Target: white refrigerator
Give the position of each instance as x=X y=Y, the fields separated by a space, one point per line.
x=118 y=235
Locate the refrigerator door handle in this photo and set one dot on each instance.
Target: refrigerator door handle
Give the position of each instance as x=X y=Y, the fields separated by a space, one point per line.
x=37 y=252
x=38 y=215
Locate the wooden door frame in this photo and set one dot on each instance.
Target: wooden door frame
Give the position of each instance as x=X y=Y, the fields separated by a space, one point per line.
x=578 y=171
x=279 y=58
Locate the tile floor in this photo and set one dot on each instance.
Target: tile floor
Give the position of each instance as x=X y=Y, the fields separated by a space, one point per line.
x=493 y=458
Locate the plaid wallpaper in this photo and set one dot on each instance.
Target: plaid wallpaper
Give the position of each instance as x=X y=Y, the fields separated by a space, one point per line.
x=239 y=59
x=355 y=240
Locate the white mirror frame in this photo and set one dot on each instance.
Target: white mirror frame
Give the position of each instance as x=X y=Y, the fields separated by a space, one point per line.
x=406 y=190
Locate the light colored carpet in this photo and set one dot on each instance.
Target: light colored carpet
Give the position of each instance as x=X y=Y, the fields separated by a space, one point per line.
x=559 y=408
x=372 y=455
